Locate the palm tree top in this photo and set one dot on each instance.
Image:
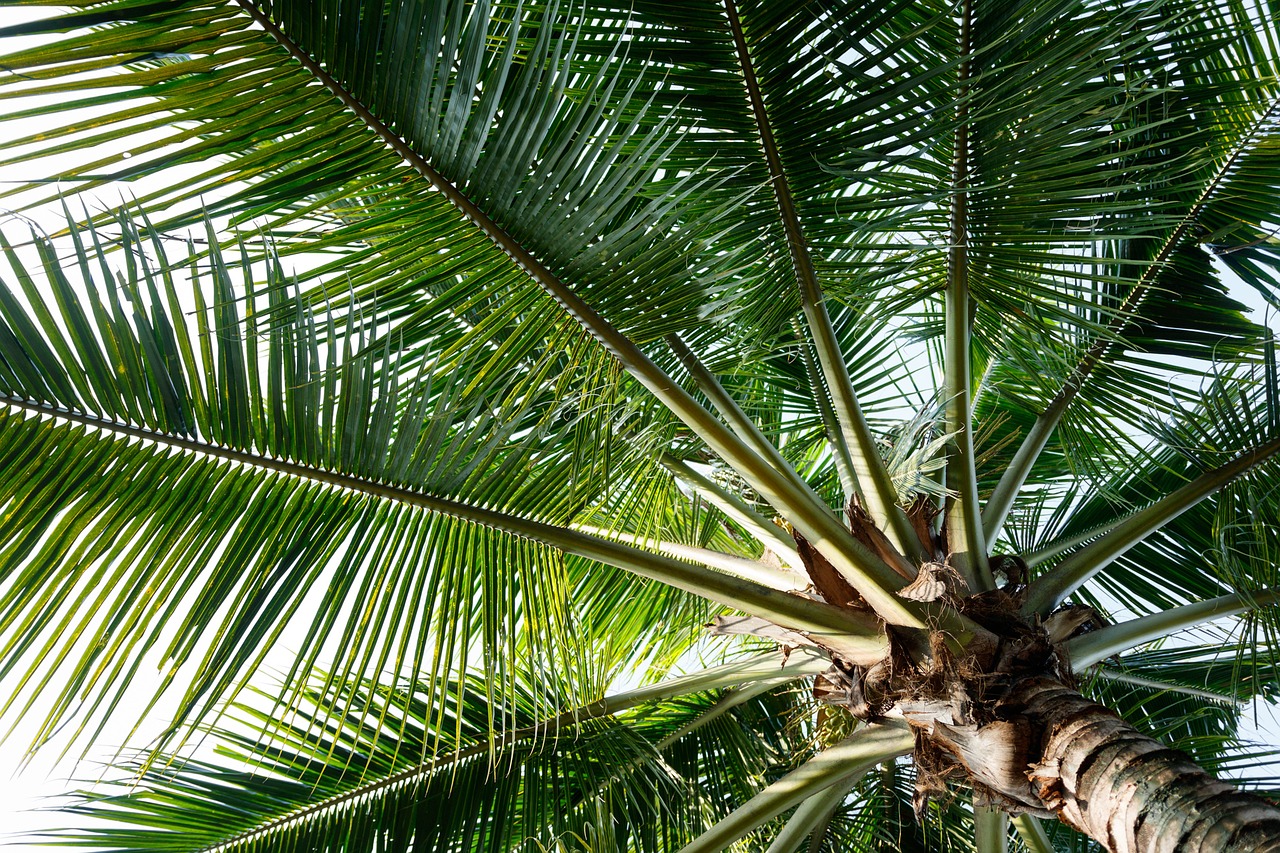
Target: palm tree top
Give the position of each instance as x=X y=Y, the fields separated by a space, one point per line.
x=504 y=360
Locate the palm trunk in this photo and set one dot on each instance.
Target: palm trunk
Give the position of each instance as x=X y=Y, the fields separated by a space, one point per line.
x=1129 y=792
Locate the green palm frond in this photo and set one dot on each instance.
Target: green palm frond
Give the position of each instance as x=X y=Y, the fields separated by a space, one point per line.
x=159 y=429
x=383 y=780
x=1219 y=543
x=147 y=476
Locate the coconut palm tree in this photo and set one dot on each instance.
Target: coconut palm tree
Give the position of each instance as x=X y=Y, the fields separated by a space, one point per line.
x=491 y=364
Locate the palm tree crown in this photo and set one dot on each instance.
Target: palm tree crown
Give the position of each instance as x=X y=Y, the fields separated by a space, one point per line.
x=491 y=363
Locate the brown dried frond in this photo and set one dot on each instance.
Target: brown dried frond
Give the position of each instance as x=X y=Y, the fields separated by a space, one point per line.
x=922 y=512
x=829 y=583
x=866 y=532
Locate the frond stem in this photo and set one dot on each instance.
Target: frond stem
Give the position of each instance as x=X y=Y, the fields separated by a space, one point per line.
x=765 y=531
x=809 y=816
x=870 y=474
x=990 y=830
x=762 y=573
x=856 y=633
x=963 y=513
x=738 y=421
x=1088 y=649
x=1032 y=833
x=1156 y=684
x=745 y=428
x=830 y=424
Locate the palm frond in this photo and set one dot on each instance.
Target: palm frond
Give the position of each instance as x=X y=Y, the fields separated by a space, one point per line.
x=146 y=478
x=1234 y=420
x=381 y=781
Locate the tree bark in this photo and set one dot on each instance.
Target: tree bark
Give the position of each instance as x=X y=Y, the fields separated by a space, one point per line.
x=1123 y=789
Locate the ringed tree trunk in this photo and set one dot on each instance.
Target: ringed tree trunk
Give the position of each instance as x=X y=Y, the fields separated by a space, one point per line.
x=1103 y=777
x=1054 y=753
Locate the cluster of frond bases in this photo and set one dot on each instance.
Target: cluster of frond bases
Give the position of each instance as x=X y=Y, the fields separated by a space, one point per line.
x=953 y=695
